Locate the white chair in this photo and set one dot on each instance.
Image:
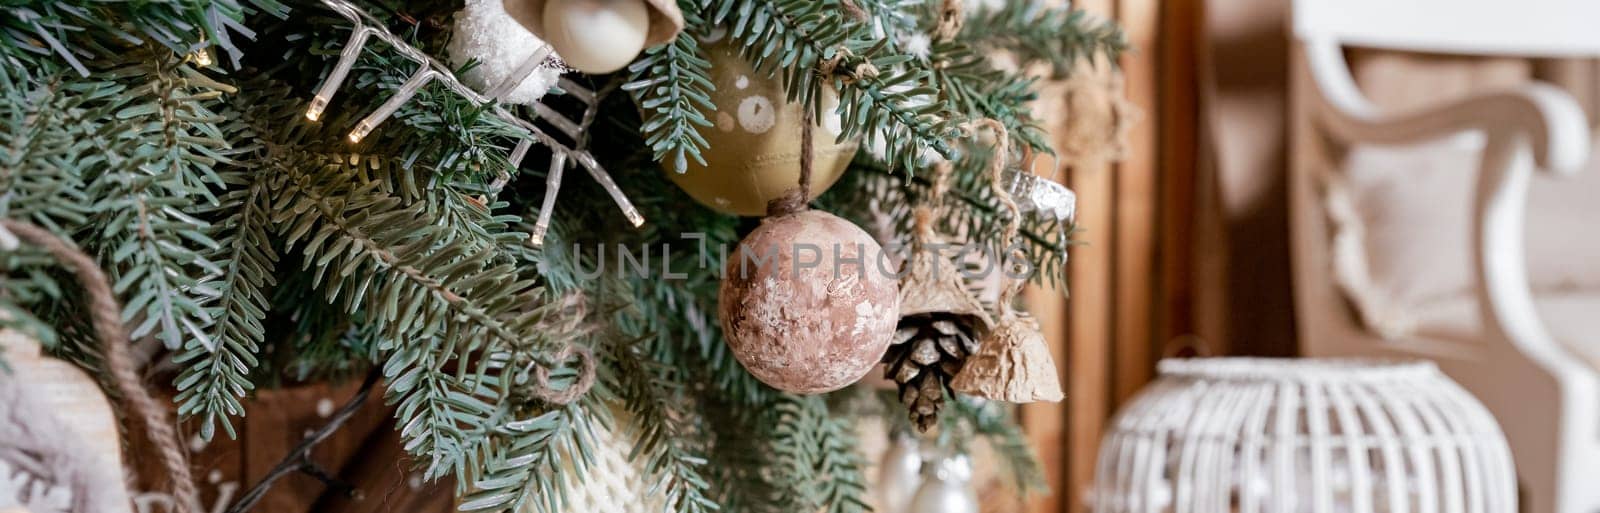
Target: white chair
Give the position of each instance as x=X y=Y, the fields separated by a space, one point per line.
x=1497 y=341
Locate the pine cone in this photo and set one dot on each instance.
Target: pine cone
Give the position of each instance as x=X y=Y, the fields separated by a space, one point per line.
x=928 y=350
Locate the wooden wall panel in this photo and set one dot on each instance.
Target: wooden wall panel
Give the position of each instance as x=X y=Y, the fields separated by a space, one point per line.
x=1090 y=317
x=1179 y=158
x=1135 y=206
x=1129 y=281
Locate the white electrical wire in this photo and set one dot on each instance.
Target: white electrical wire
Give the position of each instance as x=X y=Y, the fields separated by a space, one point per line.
x=365 y=27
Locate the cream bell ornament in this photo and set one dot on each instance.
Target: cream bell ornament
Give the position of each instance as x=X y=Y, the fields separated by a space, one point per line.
x=1013 y=362
x=599 y=36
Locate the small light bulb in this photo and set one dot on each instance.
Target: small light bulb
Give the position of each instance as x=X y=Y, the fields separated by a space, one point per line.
x=318 y=104
x=409 y=88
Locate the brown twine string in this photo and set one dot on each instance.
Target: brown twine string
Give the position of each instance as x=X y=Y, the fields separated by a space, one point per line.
x=951 y=17
x=924 y=213
x=853 y=9
x=106 y=316
x=997 y=167
x=573 y=317
x=862 y=71
x=795 y=200
x=563 y=396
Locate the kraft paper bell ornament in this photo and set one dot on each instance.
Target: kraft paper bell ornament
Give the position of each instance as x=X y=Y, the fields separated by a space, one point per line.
x=1013 y=362
x=802 y=324
x=940 y=320
x=599 y=36
x=753 y=154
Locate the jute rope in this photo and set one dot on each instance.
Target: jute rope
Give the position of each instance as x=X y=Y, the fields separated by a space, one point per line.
x=584 y=381
x=951 y=17
x=923 y=216
x=997 y=167
x=574 y=315
x=863 y=70
x=106 y=316
x=795 y=200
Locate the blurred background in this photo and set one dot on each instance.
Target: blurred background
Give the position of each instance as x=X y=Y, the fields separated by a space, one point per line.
x=1188 y=235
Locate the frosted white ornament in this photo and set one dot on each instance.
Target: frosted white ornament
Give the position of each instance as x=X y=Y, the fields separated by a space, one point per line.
x=597 y=36
x=946 y=487
x=485 y=32
x=899 y=474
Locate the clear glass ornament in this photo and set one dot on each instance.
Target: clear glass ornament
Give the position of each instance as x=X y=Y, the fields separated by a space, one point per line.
x=946 y=487
x=1040 y=196
x=899 y=474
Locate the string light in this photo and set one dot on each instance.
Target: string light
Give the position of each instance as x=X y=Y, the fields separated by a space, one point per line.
x=366 y=27
x=407 y=90
x=347 y=58
x=552 y=180
x=202 y=57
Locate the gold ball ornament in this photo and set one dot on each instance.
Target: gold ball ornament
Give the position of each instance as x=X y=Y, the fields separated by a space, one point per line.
x=599 y=36
x=803 y=304
x=754 y=143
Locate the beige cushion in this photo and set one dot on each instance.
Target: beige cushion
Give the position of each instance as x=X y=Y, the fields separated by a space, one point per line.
x=1573 y=319
x=1409 y=223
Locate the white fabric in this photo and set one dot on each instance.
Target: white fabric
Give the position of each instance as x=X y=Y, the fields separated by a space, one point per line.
x=1573 y=319
x=1405 y=243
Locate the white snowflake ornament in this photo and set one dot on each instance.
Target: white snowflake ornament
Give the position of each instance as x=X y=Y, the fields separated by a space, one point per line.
x=483 y=31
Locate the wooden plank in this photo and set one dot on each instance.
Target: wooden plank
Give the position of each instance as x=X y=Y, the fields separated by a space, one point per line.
x=1046 y=423
x=1178 y=111
x=1089 y=334
x=1136 y=205
x=1090 y=315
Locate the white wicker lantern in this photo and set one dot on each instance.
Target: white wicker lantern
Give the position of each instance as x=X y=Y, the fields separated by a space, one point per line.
x=1255 y=435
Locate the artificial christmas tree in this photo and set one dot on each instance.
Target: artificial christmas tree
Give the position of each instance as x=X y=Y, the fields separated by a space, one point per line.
x=297 y=191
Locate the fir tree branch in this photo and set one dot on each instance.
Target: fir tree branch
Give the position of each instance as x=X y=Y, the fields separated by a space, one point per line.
x=387 y=251
x=42 y=36
x=971 y=214
x=157 y=162
x=213 y=380
x=520 y=474
x=1034 y=32
x=442 y=419
x=43 y=151
x=654 y=394
x=968 y=81
x=819 y=451
x=672 y=85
